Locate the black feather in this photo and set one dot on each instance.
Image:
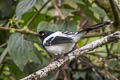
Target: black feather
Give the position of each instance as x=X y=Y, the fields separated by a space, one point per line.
x=58 y=40
x=96 y=26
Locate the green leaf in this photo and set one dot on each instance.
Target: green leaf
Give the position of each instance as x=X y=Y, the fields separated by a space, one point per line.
x=67 y=25
x=64 y=25
x=19 y=49
x=1 y=50
x=23 y=7
x=81 y=42
x=112 y=63
x=6 y=9
x=39 y=2
x=79 y=75
x=81 y=2
x=37 y=47
x=99 y=11
x=90 y=14
x=36 y=62
x=41 y=17
x=47 y=26
x=16 y=72
x=85 y=8
x=67 y=11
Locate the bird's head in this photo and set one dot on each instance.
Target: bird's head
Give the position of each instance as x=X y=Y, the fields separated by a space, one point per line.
x=44 y=34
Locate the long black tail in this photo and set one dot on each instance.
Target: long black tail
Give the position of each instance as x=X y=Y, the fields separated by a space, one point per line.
x=96 y=26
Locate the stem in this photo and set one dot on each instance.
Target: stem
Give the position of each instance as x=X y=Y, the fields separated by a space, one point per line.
x=2 y=57
x=36 y=14
x=58 y=10
x=18 y=30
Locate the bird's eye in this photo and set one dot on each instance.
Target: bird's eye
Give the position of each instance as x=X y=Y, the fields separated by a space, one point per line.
x=42 y=34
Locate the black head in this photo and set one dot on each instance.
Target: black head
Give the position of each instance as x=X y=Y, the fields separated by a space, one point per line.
x=44 y=34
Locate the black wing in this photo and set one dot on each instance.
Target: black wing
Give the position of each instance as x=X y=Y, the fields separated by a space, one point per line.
x=58 y=40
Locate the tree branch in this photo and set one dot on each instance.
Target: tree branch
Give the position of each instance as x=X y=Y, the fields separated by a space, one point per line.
x=18 y=30
x=4 y=44
x=72 y=55
x=58 y=10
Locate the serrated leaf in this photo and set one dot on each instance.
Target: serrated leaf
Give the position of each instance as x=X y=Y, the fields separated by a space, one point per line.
x=19 y=49
x=23 y=7
x=65 y=25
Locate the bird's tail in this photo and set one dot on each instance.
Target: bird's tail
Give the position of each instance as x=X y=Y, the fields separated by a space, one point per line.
x=93 y=27
x=96 y=26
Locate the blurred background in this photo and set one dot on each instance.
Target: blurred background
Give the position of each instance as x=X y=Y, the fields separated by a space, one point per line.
x=21 y=53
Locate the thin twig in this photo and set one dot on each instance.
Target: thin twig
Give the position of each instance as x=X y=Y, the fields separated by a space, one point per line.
x=118 y=6
x=3 y=55
x=18 y=30
x=58 y=10
x=107 y=49
x=116 y=14
x=36 y=14
x=4 y=44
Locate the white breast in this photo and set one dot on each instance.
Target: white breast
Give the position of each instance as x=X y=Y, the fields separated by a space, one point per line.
x=60 y=48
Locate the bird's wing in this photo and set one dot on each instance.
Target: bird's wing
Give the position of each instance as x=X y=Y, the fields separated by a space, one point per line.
x=58 y=40
x=69 y=33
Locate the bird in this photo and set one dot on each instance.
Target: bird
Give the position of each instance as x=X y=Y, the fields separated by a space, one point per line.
x=63 y=42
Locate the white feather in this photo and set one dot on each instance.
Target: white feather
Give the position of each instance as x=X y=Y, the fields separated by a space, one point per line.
x=62 y=48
